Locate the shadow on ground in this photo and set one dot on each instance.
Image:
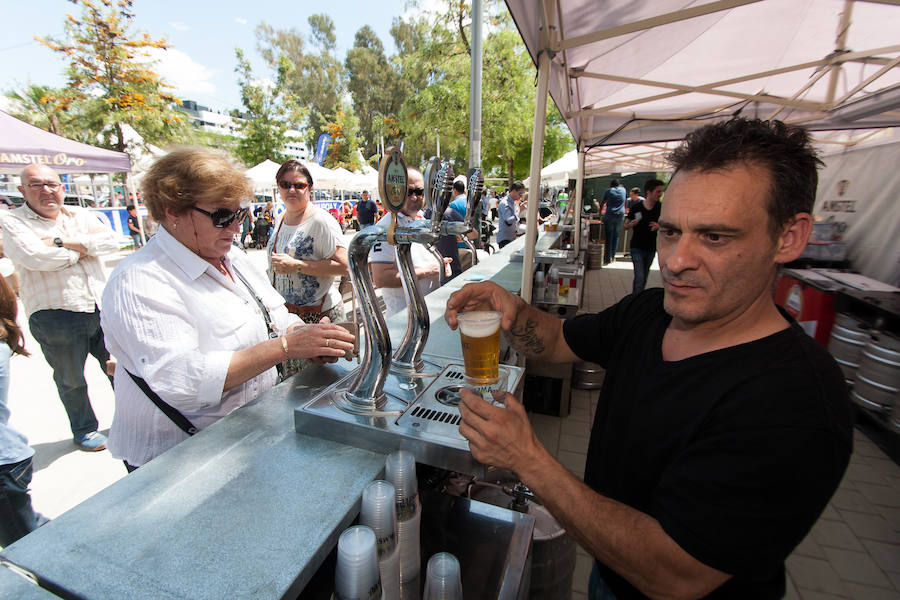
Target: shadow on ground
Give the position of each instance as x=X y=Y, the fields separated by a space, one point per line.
x=47 y=453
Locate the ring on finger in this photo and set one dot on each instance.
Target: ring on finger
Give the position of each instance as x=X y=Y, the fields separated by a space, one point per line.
x=328 y=342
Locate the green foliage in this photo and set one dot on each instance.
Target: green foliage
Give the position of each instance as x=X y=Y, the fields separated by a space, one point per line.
x=343 y=127
x=269 y=110
x=317 y=77
x=110 y=81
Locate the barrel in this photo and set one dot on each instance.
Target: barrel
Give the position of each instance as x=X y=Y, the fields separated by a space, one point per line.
x=895 y=415
x=595 y=256
x=587 y=375
x=878 y=376
x=552 y=557
x=848 y=338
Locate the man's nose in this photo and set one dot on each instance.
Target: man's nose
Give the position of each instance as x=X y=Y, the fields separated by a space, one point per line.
x=681 y=254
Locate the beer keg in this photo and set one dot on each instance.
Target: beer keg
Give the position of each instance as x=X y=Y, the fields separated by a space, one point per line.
x=587 y=375
x=878 y=376
x=848 y=338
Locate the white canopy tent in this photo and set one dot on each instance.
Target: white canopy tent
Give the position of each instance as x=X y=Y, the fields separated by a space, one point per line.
x=641 y=72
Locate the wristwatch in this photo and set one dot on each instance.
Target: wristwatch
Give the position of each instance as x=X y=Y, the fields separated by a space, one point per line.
x=58 y=242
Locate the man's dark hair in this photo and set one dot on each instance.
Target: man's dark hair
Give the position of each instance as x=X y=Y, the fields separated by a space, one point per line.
x=614 y=183
x=636 y=190
x=651 y=184
x=518 y=185
x=783 y=150
x=459 y=187
x=130 y=207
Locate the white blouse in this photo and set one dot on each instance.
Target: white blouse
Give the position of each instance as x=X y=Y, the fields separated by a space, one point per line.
x=173 y=319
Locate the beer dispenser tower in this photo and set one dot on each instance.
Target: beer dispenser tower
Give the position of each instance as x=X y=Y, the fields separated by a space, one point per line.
x=405 y=400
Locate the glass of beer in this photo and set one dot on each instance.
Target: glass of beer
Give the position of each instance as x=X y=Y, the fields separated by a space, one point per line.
x=479 y=332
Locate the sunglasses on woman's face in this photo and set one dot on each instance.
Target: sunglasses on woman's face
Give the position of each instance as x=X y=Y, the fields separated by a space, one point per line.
x=223 y=217
x=299 y=186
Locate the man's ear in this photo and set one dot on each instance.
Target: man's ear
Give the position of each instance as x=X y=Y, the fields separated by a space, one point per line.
x=793 y=238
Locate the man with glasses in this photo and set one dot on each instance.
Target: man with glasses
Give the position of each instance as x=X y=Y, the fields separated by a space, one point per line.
x=382 y=256
x=56 y=249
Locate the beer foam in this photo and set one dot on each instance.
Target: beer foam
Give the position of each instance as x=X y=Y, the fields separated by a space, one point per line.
x=479 y=323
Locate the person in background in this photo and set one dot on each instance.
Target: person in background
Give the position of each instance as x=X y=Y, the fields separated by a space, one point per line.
x=613 y=218
x=307 y=250
x=56 y=250
x=722 y=428
x=247 y=227
x=643 y=219
x=382 y=256
x=366 y=211
x=191 y=315
x=17 y=517
x=347 y=215
x=134 y=227
x=448 y=245
x=634 y=197
x=509 y=215
x=494 y=202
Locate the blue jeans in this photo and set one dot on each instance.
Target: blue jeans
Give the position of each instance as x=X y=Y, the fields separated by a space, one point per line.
x=612 y=227
x=17 y=518
x=641 y=259
x=136 y=239
x=597 y=588
x=66 y=338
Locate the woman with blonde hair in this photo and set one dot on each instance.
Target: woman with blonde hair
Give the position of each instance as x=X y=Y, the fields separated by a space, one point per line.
x=196 y=329
x=17 y=518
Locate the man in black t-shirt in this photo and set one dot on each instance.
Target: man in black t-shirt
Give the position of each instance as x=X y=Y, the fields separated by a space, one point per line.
x=722 y=429
x=134 y=227
x=366 y=211
x=642 y=218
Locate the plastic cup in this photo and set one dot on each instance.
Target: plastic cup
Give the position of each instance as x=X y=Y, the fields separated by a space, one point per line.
x=479 y=335
x=378 y=512
x=442 y=581
x=356 y=575
x=400 y=470
x=409 y=544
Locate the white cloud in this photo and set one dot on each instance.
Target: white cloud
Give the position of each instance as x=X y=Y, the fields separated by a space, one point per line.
x=240 y=20
x=180 y=26
x=181 y=71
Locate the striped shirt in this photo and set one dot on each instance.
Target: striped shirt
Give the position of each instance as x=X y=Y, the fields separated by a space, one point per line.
x=51 y=277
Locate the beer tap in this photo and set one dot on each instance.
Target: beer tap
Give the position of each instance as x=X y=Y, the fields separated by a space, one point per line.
x=473 y=209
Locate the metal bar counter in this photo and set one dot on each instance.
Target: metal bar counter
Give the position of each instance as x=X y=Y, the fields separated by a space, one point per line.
x=247 y=508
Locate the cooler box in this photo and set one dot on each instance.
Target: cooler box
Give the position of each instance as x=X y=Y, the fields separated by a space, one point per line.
x=808 y=296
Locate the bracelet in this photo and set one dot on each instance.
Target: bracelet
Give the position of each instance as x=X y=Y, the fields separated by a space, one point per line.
x=300 y=266
x=284 y=345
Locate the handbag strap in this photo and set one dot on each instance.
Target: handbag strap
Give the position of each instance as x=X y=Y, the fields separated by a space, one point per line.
x=176 y=417
x=270 y=326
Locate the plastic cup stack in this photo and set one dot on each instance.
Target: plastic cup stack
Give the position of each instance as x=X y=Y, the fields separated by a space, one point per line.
x=356 y=575
x=379 y=514
x=442 y=581
x=400 y=469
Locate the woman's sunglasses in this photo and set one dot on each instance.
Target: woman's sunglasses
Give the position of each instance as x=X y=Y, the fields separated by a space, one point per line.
x=223 y=217
x=299 y=186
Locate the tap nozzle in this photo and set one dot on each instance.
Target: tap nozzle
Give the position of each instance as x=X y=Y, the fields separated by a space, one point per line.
x=473 y=202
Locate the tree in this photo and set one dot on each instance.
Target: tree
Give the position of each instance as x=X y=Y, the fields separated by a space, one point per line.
x=343 y=127
x=110 y=80
x=376 y=87
x=317 y=77
x=269 y=110
x=44 y=107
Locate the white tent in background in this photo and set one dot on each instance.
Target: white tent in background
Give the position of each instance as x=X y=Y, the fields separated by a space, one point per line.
x=560 y=171
x=263 y=174
x=346 y=178
x=323 y=179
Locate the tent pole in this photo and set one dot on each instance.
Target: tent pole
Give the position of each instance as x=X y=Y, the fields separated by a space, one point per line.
x=579 y=201
x=534 y=182
x=475 y=87
x=113 y=201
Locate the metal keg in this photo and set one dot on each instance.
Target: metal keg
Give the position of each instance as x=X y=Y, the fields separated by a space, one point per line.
x=848 y=338
x=587 y=375
x=895 y=415
x=595 y=256
x=878 y=376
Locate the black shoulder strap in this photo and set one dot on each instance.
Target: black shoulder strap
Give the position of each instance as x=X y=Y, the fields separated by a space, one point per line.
x=171 y=412
x=270 y=326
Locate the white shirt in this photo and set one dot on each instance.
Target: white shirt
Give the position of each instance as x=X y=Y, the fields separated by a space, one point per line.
x=317 y=238
x=382 y=252
x=51 y=277
x=173 y=319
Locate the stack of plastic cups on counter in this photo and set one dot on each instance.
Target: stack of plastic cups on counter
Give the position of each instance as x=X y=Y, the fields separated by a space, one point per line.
x=378 y=513
x=400 y=469
x=356 y=575
x=442 y=581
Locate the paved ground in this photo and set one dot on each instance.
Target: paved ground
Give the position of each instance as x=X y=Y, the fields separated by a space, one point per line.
x=853 y=551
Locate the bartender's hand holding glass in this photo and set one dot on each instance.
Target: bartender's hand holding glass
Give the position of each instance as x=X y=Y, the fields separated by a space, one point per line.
x=498 y=436
x=484 y=295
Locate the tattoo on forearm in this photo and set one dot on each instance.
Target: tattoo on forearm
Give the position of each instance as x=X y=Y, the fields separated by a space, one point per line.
x=525 y=337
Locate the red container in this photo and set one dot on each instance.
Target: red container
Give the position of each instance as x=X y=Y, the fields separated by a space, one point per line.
x=809 y=298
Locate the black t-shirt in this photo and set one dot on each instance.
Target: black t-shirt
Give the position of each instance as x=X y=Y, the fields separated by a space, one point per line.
x=366 y=212
x=643 y=237
x=735 y=452
x=133 y=222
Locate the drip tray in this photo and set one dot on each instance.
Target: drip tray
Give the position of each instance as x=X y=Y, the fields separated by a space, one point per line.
x=420 y=415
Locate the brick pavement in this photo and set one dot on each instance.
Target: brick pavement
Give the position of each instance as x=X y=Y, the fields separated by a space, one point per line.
x=853 y=551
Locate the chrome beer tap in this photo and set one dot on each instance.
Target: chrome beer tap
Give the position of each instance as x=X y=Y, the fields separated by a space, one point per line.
x=473 y=209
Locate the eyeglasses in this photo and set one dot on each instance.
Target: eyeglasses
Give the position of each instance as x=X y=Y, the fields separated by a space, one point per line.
x=299 y=186
x=415 y=191
x=52 y=186
x=223 y=217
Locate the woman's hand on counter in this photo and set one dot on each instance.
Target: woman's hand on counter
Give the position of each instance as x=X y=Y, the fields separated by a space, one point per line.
x=320 y=341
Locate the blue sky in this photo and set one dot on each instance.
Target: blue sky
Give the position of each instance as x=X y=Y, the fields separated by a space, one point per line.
x=203 y=35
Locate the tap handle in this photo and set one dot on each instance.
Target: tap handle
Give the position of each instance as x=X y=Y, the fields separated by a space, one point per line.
x=473 y=202
x=439 y=182
x=432 y=187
